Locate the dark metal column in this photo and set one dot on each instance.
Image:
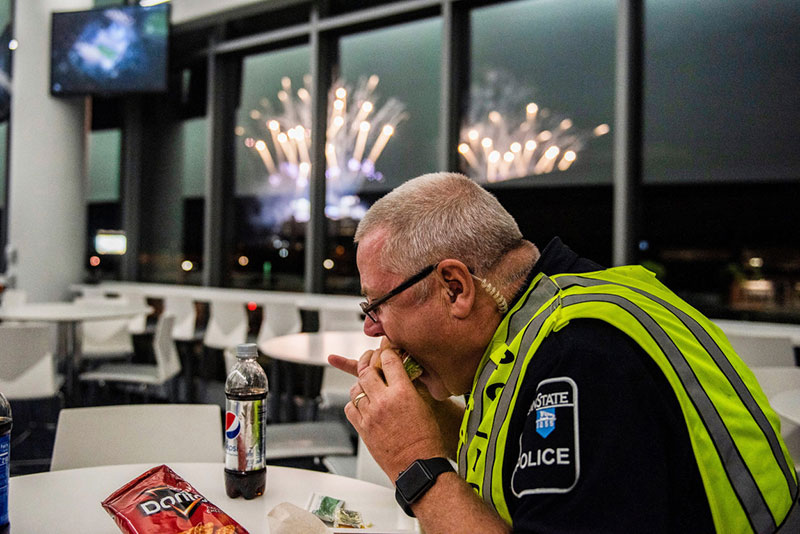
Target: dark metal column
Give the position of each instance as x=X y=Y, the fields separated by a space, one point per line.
x=130 y=185
x=323 y=52
x=223 y=95
x=628 y=128
x=455 y=77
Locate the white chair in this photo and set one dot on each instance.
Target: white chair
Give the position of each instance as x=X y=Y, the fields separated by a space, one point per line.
x=167 y=365
x=227 y=325
x=13 y=297
x=138 y=324
x=278 y=319
x=185 y=313
x=137 y=433
x=335 y=391
x=27 y=364
x=336 y=319
x=105 y=339
x=28 y=378
x=315 y=439
x=361 y=466
x=761 y=351
x=93 y=292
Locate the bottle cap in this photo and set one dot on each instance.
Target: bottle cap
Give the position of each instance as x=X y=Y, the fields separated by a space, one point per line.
x=247 y=350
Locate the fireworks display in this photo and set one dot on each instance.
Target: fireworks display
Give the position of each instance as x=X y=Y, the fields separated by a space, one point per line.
x=507 y=136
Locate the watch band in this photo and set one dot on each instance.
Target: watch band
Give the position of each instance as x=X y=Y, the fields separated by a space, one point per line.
x=417 y=479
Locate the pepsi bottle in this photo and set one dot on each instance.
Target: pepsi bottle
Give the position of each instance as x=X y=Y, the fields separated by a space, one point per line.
x=245 y=425
x=5 y=460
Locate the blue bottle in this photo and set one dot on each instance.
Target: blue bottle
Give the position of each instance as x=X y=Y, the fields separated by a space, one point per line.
x=5 y=461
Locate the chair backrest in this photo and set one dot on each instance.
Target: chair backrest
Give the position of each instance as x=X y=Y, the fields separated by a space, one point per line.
x=107 y=336
x=137 y=433
x=13 y=297
x=93 y=292
x=229 y=355
x=279 y=319
x=137 y=325
x=760 y=351
x=335 y=388
x=227 y=325
x=335 y=319
x=27 y=365
x=185 y=313
x=167 y=359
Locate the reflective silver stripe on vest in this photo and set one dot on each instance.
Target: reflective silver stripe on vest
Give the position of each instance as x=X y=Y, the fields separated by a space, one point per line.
x=741 y=479
x=716 y=353
x=791 y=523
x=544 y=290
x=476 y=415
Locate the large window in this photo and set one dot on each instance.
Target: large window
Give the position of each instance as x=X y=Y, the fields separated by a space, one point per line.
x=272 y=171
x=103 y=198
x=540 y=106
x=721 y=167
x=721 y=96
x=386 y=133
x=532 y=97
x=173 y=202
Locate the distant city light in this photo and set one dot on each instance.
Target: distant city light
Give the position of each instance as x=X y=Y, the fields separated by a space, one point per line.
x=328 y=264
x=187 y=266
x=243 y=261
x=94 y=261
x=756 y=262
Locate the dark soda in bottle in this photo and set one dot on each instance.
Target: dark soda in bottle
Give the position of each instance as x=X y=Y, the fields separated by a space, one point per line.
x=5 y=461
x=245 y=425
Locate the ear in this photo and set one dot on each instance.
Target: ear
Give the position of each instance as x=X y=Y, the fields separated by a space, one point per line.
x=458 y=287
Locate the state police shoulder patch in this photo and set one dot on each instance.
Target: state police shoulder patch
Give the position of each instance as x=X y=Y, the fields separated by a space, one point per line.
x=549 y=458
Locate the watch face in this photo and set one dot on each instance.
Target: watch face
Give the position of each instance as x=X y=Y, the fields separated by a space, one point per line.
x=413 y=482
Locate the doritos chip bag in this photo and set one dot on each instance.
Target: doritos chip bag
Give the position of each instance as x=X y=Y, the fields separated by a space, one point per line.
x=161 y=501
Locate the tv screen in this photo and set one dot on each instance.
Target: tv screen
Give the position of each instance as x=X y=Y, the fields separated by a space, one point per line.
x=109 y=51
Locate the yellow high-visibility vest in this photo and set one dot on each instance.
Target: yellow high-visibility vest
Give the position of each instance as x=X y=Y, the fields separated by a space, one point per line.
x=746 y=470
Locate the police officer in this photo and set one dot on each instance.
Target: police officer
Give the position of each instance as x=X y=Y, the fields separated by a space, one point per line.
x=596 y=399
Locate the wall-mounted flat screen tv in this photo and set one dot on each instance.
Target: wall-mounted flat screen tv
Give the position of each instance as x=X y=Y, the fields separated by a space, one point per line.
x=109 y=51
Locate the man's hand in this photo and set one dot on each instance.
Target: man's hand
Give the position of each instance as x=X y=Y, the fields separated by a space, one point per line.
x=393 y=420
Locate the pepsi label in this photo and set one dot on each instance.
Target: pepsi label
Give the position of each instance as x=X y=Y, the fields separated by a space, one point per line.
x=245 y=434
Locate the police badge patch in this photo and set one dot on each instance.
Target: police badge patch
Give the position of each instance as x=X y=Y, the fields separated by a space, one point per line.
x=549 y=459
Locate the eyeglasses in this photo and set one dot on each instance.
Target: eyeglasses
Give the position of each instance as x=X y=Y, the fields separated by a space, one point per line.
x=369 y=307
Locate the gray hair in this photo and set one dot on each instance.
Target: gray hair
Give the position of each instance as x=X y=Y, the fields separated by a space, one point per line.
x=438 y=216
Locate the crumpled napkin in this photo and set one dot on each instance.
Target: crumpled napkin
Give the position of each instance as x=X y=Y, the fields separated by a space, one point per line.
x=286 y=518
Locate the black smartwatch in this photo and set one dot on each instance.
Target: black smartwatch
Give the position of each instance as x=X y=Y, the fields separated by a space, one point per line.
x=418 y=478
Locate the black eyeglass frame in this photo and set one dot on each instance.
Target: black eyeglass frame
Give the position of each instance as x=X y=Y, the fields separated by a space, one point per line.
x=369 y=307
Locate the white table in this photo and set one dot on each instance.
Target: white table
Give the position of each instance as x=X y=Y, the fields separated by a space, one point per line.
x=310 y=349
x=69 y=501
x=787 y=405
x=313 y=348
x=67 y=315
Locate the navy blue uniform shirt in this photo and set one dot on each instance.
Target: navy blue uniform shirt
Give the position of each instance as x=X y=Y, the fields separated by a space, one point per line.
x=597 y=442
